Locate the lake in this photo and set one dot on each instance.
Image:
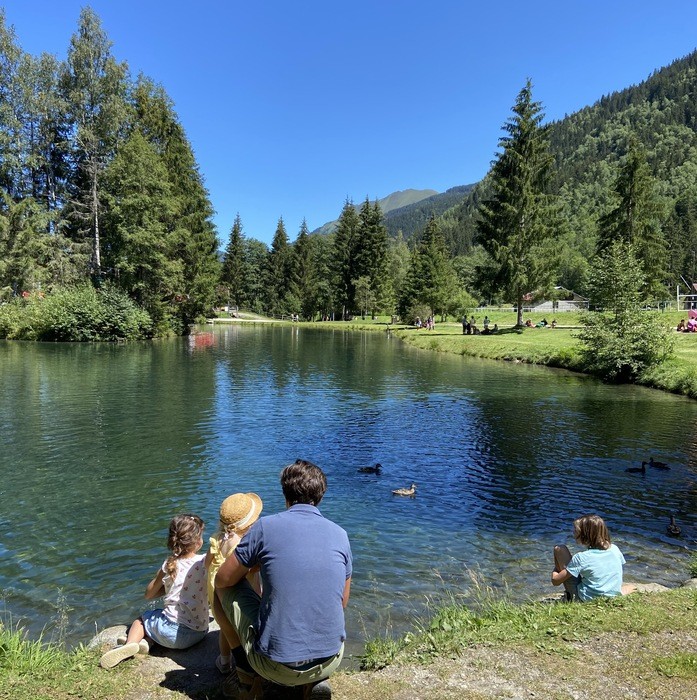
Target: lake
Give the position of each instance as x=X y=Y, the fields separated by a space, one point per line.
x=103 y=444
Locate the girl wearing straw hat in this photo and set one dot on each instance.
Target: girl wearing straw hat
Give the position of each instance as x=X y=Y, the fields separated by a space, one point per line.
x=237 y=514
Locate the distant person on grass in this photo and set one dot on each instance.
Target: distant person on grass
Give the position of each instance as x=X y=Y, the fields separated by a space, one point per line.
x=596 y=572
x=294 y=633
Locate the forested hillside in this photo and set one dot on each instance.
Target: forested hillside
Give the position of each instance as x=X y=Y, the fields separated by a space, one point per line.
x=590 y=145
x=412 y=218
x=395 y=201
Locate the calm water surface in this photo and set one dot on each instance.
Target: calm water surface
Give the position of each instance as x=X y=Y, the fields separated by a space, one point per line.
x=102 y=444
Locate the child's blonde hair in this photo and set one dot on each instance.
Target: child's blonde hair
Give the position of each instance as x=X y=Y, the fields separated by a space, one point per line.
x=185 y=533
x=591 y=531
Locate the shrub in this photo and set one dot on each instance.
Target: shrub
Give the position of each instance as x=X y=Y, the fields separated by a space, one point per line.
x=621 y=341
x=417 y=310
x=77 y=315
x=620 y=349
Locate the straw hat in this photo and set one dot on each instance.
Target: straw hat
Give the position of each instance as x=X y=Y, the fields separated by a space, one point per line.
x=240 y=510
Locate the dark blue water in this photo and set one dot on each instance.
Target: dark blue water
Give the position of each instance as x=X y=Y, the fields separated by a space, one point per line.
x=102 y=444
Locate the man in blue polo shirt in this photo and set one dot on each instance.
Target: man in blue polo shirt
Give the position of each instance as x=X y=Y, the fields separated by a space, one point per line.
x=294 y=634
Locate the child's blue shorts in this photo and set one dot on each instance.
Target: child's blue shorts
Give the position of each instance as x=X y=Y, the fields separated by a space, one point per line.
x=172 y=635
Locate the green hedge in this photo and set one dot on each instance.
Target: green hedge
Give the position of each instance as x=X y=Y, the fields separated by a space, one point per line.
x=83 y=314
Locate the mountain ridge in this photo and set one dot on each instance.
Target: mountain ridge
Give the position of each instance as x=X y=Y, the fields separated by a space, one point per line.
x=394 y=200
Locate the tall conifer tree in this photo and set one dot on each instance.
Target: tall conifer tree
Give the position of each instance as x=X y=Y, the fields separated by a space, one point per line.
x=371 y=252
x=517 y=225
x=191 y=224
x=344 y=258
x=141 y=244
x=636 y=218
x=305 y=278
x=234 y=272
x=279 y=270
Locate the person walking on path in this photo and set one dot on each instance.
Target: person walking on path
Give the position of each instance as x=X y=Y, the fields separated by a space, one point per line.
x=294 y=633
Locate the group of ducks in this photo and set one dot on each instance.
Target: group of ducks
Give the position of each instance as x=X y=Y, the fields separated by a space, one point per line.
x=377 y=469
x=651 y=463
x=673 y=527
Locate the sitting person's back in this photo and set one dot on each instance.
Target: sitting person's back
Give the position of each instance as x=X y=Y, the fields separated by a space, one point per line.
x=595 y=572
x=294 y=633
x=299 y=551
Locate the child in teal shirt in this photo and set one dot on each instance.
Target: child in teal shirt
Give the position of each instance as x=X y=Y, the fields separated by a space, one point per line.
x=596 y=572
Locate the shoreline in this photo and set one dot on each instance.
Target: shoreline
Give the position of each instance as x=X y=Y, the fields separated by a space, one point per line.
x=556 y=348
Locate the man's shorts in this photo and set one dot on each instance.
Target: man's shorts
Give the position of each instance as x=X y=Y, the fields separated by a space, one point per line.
x=241 y=606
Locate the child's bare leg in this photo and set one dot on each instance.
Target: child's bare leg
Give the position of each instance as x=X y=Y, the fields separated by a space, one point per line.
x=226 y=628
x=562 y=557
x=223 y=644
x=136 y=632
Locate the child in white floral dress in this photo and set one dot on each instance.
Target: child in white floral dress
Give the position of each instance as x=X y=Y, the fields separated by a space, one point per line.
x=182 y=580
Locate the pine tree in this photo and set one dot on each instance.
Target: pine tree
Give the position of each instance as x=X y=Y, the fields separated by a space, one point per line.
x=371 y=252
x=397 y=264
x=636 y=219
x=255 y=255
x=344 y=258
x=621 y=341
x=234 y=269
x=433 y=279
x=279 y=270
x=517 y=224
x=305 y=277
x=141 y=248
x=23 y=247
x=196 y=240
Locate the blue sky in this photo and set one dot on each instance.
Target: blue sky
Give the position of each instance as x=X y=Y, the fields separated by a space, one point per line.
x=291 y=107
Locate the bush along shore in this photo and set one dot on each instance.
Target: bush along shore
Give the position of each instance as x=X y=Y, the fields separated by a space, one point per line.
x=643 y=645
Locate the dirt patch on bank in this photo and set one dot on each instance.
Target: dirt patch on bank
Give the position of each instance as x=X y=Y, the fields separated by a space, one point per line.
x=607 y=667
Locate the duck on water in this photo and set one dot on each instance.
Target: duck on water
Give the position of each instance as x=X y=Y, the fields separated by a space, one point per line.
x=656 y=465
x=371 y=470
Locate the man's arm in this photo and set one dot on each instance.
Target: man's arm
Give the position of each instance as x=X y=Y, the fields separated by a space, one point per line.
x=230 y=572
x=347 y=592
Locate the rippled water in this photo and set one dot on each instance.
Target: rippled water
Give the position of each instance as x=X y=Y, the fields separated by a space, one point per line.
x=102 y=444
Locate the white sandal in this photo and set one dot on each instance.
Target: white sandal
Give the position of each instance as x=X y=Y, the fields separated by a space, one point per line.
x=116 y=656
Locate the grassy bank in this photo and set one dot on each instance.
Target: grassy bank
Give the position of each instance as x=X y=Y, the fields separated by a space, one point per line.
x=639 y=646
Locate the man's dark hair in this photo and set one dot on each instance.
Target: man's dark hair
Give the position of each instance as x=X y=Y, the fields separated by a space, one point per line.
x=303 y=482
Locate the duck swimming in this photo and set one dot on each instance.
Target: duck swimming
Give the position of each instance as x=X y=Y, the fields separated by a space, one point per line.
x=405 y=492
x=371 y=470
x=637 y=470
x=673 y=529
x=657 y=465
